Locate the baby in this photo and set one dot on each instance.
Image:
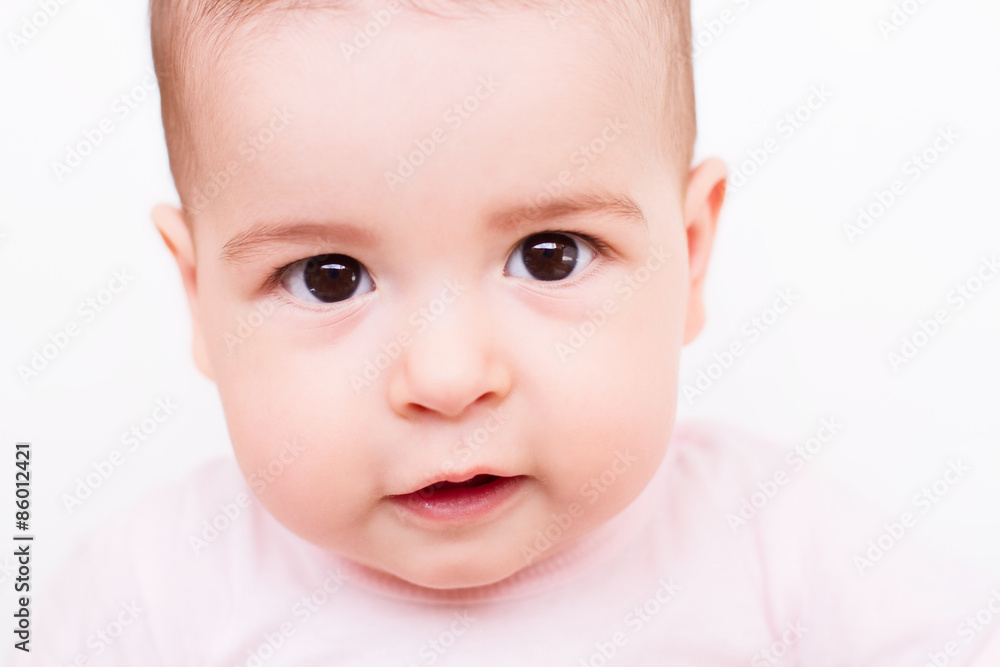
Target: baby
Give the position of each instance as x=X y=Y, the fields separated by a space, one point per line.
x=441 y=260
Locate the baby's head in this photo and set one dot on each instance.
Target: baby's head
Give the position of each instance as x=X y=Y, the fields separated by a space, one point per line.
x=438 y=241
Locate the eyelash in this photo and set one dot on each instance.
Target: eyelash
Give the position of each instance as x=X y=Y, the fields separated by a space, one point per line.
x=601 y=250
x=600 y=247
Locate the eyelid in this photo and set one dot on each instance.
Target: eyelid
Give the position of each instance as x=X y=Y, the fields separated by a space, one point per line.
x=336 y=307
x=600 y=246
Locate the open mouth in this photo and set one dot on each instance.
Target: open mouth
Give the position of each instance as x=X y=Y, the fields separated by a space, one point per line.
x=471 y=499
x=439 y=489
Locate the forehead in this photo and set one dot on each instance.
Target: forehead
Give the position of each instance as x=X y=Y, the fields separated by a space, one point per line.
x=429 y=110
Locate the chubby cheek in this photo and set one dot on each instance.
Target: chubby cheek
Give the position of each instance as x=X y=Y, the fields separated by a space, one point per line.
x=297 y=430
x=617 y=401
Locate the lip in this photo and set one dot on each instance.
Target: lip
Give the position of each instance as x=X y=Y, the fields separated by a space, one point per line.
x=461 y=499
x=458 y=476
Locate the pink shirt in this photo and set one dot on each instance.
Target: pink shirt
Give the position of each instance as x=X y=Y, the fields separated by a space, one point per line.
x=679 y=578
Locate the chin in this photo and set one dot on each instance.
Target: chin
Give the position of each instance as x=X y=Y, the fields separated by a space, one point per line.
x=432 y=570
x=457 y=577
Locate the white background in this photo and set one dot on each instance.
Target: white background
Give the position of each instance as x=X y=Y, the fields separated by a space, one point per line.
x=827 y=357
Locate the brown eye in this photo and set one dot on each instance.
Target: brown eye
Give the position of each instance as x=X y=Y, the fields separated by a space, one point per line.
x=326 y=278
x=549 y=256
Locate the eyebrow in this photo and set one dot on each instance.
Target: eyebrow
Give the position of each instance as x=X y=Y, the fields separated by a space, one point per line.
x=250 y=242
x=600 y=202
x=247 y=243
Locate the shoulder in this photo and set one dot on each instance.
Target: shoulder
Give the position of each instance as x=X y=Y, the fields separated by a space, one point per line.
x=153 y=526
x=720 y=442
x=174 y=509
x=166 y=511
x=780 y=490
x=720 y=459
x=826 y=556
x=121 y=581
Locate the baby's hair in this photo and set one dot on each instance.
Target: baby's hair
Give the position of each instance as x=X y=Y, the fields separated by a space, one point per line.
x=653 y=36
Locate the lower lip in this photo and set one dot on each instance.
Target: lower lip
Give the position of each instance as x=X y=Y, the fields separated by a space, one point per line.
x=462 y=503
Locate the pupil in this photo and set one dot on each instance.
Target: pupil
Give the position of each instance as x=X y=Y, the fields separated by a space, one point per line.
x=332 y=277
x=550 y=256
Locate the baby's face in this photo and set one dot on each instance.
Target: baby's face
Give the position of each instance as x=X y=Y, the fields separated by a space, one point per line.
x=455 y=256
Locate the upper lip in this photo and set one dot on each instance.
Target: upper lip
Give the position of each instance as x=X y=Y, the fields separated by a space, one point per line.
x=456 y=477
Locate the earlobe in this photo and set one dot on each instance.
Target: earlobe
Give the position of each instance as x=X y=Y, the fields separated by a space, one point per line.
x=703 y=201
x=177 y=236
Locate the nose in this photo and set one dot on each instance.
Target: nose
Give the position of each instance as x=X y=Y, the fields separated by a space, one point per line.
x=454 y=363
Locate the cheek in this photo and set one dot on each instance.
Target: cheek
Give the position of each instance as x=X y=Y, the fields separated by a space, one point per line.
x=296 y=427
x=330 y=482
x=614 y=406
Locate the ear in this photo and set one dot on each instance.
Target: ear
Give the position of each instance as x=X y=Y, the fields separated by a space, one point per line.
x=176 y=234
x=705 y=193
